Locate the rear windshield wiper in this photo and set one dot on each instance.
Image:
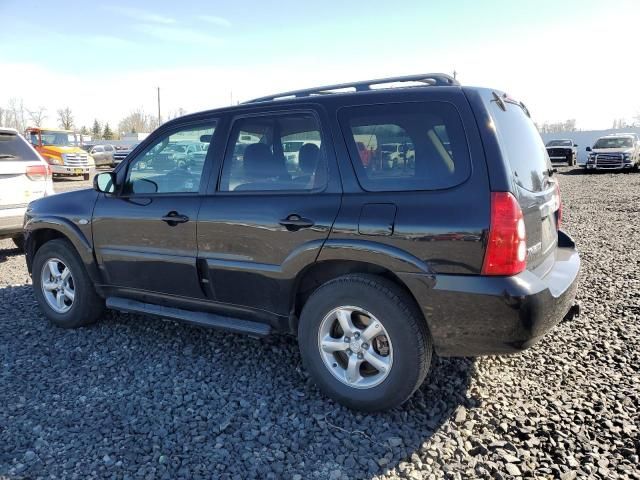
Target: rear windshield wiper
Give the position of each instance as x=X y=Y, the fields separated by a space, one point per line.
x=7 y=155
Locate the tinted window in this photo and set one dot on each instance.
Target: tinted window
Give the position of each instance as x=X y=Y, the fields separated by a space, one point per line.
x=108 y=148
x=519 y=141
x=411 y=146
x=98 y=149
x=166 y=167
x=614 y=142
x=276 y=152
x=13 y=147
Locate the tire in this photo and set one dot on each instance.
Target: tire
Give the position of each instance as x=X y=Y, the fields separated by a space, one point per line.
x=86 y=176
x=408 y=342
x=19 y=242
x=86 y=306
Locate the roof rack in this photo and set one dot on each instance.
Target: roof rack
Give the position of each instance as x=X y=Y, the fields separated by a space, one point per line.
x=427 y=79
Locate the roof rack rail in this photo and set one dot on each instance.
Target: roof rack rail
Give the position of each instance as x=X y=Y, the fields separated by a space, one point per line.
x=428 y=79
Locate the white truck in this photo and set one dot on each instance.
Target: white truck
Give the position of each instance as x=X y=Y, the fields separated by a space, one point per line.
x=619 y=151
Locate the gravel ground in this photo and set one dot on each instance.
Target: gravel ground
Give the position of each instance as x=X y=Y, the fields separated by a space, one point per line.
x=135 y=397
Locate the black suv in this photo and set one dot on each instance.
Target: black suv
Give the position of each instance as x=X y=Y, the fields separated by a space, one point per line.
x=452 y=245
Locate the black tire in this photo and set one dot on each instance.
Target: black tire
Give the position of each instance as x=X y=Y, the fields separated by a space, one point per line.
x=86 y=176
x=406 y=328
x=87 y=306
x=18 y=240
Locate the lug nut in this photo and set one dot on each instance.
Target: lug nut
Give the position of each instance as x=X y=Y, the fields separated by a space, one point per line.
x=357 y=334
x=365 y=346
x=360 y=355
x=349 y=352
x=347 y=339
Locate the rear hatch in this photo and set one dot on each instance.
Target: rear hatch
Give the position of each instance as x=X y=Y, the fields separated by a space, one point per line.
x=21 y=172
x=535 y=188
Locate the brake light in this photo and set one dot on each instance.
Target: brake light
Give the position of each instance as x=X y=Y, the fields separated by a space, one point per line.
x=37 y=172
x=506 y=246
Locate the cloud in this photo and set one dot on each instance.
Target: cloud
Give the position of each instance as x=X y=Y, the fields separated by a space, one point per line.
x=179 y=35
x=141 y=15
x=212 y=19
x=107 y=41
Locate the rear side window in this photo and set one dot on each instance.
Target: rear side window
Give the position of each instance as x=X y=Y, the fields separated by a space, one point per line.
x=519 y=140
x=408 y=146
x=14 y=148
x=275 y=153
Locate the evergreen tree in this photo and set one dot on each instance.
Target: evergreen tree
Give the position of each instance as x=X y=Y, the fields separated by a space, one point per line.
x=107 y=134
x=95 y=131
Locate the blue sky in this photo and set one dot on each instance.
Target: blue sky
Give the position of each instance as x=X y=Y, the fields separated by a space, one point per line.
x=104 y=60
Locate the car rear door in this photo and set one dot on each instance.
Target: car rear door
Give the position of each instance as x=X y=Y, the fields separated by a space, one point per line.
x=264 y=218
x=533 y=182
x=145 y=235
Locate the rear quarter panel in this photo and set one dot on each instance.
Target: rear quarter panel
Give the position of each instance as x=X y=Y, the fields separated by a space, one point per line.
x=442 y=231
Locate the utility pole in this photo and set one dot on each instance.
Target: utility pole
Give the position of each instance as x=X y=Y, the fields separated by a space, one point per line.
x=159 y=118
x=455 y=74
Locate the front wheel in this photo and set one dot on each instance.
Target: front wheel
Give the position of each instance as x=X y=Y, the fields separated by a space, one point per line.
x=62 y=286
x=364 y=342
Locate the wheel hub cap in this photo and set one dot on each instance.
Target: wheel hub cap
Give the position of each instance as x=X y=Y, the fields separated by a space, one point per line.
x=349 y=340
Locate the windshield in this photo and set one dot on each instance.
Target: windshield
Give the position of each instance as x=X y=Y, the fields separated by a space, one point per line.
x=289 y=147
x=560 y=143
x=389 y=148
x=59 y=139
x=614 y=142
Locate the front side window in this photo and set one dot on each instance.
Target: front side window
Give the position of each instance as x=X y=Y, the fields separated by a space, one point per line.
x=166 y=166
x=274 y=153
x=412 y=146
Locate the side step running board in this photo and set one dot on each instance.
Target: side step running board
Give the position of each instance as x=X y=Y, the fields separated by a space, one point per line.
x=204 y=319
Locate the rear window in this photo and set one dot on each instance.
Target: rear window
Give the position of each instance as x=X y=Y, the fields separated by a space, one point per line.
x=520 y=142
x=406 y=146
x=14 y=148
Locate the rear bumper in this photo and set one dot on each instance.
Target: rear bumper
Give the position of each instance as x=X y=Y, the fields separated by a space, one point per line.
x=480 y=315
x=11 y=222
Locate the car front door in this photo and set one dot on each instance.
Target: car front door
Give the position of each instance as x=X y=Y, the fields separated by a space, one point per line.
x=145 y=234
x=267 y=216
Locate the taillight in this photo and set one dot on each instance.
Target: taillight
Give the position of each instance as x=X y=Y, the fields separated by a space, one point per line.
x=507 y=246
x=559 y=207
x=37 y=172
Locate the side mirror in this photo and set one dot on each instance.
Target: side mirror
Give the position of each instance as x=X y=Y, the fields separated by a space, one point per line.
x=588 y=149
x=576 y=145
x=105 y=182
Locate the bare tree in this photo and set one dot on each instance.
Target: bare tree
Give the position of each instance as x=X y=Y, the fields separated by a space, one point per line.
x=65 y=118
x=38 y=116
x=138 y=122
x=566 y=126
x=15 y=114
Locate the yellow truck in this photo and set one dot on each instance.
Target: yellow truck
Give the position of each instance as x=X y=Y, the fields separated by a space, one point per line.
x=61 y=151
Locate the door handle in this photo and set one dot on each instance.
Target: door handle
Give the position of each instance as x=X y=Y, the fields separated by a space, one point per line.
x=173 y=218
x=295 y=222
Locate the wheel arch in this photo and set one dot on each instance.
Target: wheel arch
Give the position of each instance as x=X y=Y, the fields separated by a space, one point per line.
x=40 y=231
x=321 y=272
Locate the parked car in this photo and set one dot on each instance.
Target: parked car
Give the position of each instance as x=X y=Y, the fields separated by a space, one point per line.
x=120 y=154
x=60 y=150
x=372 y=270
x=619 y=151
x=24 y=176
x=562 y=150
x=102 y=154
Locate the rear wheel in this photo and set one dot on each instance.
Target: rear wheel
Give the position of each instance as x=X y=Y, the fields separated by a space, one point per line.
x=62 y=287
x=19 y=242
x=364 y=342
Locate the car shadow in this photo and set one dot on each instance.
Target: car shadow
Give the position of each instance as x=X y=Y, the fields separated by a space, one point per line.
x=238 y=405
x=7 y=253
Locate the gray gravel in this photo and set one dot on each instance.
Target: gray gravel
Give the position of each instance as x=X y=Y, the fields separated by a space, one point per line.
x=135 y=397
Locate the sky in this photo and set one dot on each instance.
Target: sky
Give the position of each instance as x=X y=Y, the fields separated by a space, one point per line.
x=565 y=59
